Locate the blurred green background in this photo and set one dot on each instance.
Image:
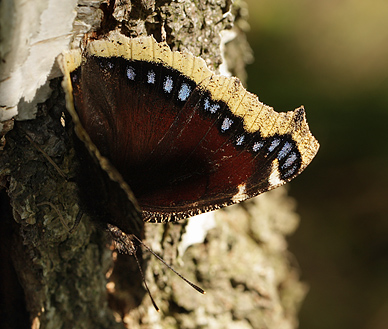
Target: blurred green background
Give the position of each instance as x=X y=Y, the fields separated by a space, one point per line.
x=332 y=57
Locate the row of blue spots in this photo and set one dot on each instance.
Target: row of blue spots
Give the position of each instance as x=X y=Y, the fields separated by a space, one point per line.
x=168 y=83
x=184 y=90
x=290 y=164
x=285 y=152
x=288 y=167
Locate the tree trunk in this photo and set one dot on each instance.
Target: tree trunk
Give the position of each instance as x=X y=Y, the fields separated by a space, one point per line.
x=243 y=263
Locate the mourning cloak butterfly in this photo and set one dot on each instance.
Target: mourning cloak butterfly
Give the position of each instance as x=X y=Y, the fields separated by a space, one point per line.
x=183 y=139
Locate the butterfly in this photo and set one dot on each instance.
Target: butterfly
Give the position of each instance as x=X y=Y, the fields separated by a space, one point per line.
x=162 y=138
x=183 y=139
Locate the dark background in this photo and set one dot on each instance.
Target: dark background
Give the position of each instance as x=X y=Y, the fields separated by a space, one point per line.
x=332 y=57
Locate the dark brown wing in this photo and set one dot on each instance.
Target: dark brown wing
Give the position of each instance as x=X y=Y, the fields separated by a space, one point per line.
x=185 y=141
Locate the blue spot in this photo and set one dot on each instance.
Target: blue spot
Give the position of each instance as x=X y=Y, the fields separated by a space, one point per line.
x=131 y=73
x=168 y=84
x=257 y=146
x=212 y=108
x=226 y=124
x=151 y=77
x=290 y=172
x=292 y=157
x=207 y=104
x=240 y=140
x=285 y=150
x=184 y=92
x=274 y=144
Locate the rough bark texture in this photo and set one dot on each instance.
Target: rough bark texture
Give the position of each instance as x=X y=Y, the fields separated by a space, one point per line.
x=243 y=264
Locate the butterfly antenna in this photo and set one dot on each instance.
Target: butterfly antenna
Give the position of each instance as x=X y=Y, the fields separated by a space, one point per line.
x=164 y=262
x=145 y=283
